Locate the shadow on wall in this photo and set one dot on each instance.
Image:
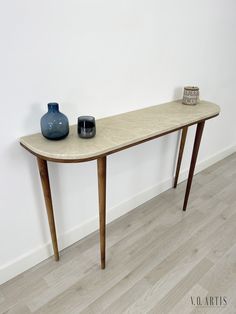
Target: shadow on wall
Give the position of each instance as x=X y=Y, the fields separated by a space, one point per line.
x=165 y=158
x=19 y=161
x=178 y=93
x=32 y=119
x=31 y=165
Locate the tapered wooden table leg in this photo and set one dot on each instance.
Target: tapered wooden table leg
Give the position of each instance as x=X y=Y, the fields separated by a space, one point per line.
x=197 y=142
x=43 y=171
x=181 y=150
x=101 y=165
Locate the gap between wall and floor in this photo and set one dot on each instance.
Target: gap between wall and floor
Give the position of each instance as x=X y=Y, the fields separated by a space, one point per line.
x=30 y=259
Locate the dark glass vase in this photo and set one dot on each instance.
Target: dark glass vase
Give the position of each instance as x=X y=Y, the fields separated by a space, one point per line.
x=54 y=124
x=86 y=127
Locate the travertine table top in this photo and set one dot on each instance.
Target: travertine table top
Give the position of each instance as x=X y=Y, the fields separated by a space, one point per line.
x=119 y=131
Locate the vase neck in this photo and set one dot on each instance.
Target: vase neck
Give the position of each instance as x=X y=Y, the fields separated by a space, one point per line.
x=53 y=107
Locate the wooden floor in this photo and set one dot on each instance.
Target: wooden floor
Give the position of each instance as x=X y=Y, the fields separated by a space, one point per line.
x=157 y=258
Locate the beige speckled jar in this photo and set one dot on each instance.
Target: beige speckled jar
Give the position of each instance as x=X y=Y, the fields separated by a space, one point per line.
x=191 y=95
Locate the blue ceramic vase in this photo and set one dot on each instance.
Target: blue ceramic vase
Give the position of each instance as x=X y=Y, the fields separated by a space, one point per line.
x=54 y=124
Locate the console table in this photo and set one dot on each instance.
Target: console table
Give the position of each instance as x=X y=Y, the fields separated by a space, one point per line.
x=115 y=134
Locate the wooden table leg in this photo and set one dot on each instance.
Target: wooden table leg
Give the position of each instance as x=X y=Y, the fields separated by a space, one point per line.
x=181 y=150
x=43 y=171
x=101 y=166
x=197 y=142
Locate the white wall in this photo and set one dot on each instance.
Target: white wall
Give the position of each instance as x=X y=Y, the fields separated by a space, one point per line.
x=102 y=58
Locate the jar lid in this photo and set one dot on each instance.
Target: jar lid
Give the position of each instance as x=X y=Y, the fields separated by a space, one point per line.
x=191 y=88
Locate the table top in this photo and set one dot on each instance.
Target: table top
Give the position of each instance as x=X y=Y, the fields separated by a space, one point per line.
x=120 y=131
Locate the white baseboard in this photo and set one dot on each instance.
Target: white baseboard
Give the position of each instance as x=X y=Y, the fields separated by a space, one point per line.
x=31 y=258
